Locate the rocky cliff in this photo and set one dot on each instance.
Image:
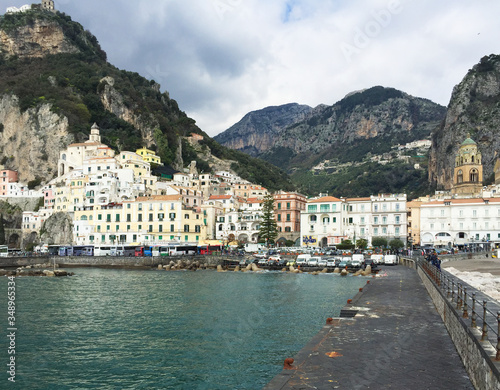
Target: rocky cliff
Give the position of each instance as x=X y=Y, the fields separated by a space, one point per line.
x=55 y=83
x=37 y=39
x=258 y=131
x=31 y=140
x=474 y=109
x=372 y=113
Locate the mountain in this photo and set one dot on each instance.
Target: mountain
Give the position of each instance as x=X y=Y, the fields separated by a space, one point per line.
x=55 y=83
x=474 y=110
x=258 y=130
x=364 y=124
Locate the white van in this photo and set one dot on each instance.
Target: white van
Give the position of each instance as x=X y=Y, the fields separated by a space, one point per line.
x=390 y=259
x=302 y=259
x=378 y=259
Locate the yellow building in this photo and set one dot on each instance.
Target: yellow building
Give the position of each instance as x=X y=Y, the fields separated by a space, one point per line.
x=149 y=156
x=146 y=220
x=468 y=172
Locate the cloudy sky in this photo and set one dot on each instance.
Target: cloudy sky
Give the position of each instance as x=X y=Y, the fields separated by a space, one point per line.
x=221 y=59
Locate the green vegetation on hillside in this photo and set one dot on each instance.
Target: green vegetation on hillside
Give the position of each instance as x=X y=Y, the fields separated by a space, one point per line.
x=365 y=180
x=73 y=85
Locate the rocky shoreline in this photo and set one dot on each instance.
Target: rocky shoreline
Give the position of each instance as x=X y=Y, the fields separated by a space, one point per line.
x=36 y=270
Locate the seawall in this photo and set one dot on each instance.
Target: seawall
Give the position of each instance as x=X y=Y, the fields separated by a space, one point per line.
x=478 y=356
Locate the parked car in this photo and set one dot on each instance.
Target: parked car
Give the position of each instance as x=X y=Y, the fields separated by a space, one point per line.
x=356 y=263
x=371 y=263
x=330 y=263
x=291 y=262
x=313 y=261
x=344 y=263
x=323 y=263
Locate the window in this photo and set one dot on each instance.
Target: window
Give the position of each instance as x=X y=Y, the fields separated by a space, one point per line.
x=384 y=220
x=398 y=218
x=279 y=206
x=140 y=206
x=312 y=208
x=350 y=221
x=160 y=228
x=197 y=229
x=288 y=206
x=384 y=230
x=474 y=213
x=129 y=217
x=150 y=230
x=325 y=208
x=279 y=217
x=172 y=228
x=313 y=218
x=362 y=231
x=362 y=219
x=375 y=231
x=150 y=217
x=397 y=232
x=326 y=221
x=186 y=228
x=375 y=219
x=108 y=218
x=117 y=218
x=139 y=217
x=288 y=229
x=288 y=218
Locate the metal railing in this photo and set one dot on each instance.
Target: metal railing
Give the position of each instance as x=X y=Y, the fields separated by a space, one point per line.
x=466 y=304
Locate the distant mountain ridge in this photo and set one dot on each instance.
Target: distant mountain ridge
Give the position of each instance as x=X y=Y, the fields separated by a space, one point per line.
x=269 y=121
x=372 y=113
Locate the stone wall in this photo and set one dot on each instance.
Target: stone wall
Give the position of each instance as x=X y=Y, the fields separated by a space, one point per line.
x=106 y=262
x=478 y=357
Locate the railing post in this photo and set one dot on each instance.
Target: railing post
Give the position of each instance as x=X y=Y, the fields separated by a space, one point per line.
x=498 y=337
x=484 y=336
x=448 y=284
x=459 y=297
x=466 y=312
x=452 y=290
x=473 y=319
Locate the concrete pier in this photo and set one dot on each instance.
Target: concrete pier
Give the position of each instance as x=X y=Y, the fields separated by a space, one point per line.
x=396 y=340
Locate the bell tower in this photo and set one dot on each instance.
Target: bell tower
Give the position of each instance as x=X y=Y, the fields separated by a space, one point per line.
x=468 y=172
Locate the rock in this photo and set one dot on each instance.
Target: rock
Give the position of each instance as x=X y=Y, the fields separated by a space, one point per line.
x=325 y=271
x=249 y=267
x=367 y=271
x=60 y=272
x=336 y=270
x=255 y=268
x=343 y=272
x=237 y=268
x=220 y=269
x=49 y=273
x=160 y=266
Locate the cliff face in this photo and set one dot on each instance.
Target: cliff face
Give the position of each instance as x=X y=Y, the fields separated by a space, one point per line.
x=376 y=112
x=55 y=83
x=474 y=110
x=31 y=140
x=258 y=131
x=38 y=39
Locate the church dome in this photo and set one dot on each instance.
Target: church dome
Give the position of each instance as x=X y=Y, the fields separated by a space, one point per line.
x=468 y=141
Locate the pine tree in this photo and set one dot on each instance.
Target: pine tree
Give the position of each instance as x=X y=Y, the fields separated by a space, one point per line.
x=268 y=228
x=2 y=231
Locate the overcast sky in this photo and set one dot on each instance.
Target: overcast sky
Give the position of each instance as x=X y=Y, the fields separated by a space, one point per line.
x=221 y=59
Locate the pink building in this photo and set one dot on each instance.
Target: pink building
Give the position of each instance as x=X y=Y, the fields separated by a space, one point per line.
x=7 y=177
x=287 y=209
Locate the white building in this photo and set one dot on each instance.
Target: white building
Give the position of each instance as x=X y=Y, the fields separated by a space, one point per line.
x=460 y=222
x=321 y=222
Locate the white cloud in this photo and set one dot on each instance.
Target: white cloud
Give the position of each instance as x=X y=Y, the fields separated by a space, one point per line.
x=222 y=58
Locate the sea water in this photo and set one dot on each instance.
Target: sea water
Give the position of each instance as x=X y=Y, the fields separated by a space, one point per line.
x=124 y=329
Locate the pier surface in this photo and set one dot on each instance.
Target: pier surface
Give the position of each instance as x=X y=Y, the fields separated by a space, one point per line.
x=397 y=340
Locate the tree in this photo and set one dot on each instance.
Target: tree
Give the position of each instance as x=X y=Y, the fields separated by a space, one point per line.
x=269 y=228
x=361 y=243
x=2 y=231
x=396 y=244
x=379 y=241
x=346 y=244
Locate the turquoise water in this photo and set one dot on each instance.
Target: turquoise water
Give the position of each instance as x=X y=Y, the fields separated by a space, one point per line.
x=122 y=329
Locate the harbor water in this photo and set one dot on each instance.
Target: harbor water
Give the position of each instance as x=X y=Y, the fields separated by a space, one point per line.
x=125 y=329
